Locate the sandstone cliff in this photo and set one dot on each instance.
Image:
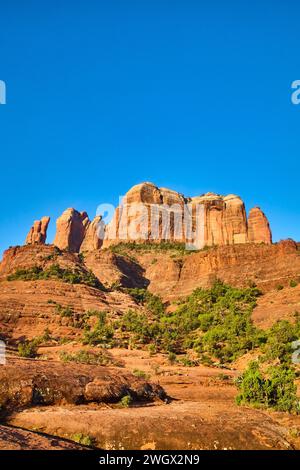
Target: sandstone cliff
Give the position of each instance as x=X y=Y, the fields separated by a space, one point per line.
x=151 y=213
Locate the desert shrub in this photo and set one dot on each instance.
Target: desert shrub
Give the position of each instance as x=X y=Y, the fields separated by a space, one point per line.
x=46 y=335
x=172 y=358
x=152 y=349
x=85 y=357
x=141 y=374
x=138 y=323
x=29 y=348
x=125 y=401
x=293 y=283
x=279 y=287
x=273 y=389
x=153 y=303
x=101 y=333
x=186 y=361
x=64 y=311
x=83 y=439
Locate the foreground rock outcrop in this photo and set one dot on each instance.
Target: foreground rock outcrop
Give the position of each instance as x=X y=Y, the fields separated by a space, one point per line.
x=12 y=438
x=25 y=383
x=38 y=232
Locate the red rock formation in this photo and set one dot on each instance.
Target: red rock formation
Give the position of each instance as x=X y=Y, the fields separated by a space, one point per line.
x=151 y=213
x=258 y=227
x=93 y=239
x=71 y=227
x=38 y=232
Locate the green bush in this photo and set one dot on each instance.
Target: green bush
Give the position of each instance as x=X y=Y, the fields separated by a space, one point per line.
x=293 y=283
x=279 y=340
x=141 y=374
x=273 y=389
x=64 y=311
x=172 y=358
x=83 y=439
x=102 y=333
x=126 y=401
x=153 y=303
x=29 y=348
x=85 y=357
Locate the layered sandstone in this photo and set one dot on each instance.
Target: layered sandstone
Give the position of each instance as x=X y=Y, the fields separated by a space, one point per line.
x=71 y=227
x=38 y=231
x=258 y=227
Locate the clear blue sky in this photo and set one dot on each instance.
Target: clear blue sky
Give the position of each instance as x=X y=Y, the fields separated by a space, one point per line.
x=191 y=95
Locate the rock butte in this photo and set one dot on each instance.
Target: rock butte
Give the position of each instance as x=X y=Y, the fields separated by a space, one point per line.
x=225 y=221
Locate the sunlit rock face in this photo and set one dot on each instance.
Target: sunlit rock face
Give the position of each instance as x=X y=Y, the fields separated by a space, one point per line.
x=149 y=213
x=258 y=227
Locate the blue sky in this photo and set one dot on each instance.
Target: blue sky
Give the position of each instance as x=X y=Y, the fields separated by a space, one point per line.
x=191 y=95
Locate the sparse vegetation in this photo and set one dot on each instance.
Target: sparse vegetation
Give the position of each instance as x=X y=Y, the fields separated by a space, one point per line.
x=29 y=349
x=126 y=401
x=85 y=357
x=102 y=333
x=151 y=302
x=83 y=439
x=56 y=272
x=141 y=374
x=124 y=247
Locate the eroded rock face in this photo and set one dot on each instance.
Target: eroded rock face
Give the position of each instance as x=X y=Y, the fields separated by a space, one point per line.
x=93 y=239
x=149 y=213
x=38 y=232
x=258 y=227
x=71 y=228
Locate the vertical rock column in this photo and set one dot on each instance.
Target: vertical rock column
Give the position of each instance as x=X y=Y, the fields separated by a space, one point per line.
x=38 y=232
x=258 y=227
